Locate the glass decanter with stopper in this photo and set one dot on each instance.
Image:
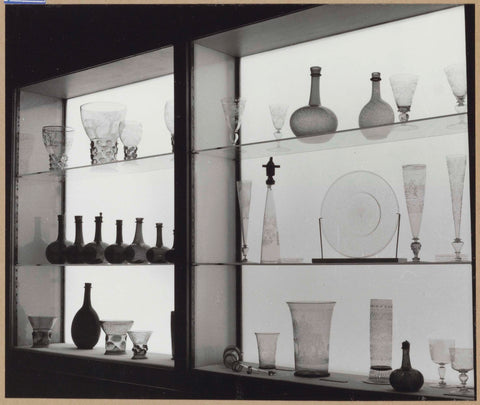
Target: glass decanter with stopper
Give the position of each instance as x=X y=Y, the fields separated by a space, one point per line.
x=270 y=240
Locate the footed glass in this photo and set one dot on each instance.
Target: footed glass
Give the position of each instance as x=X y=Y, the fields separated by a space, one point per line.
x=440 y=354
x=278 y=114
x=42 y=329
x=57 y=140
x=456 y=165
x=233 y=110
x=403 y=88
x=130 y=135
x=139 y=340
x=244 y=193
x=457 y=78
x=380 y=341
x=462 y=361
x=116 y=336
x=414 y=177
x=311 y=337
x=102 y=122
x=169 y=118
x=267 y=349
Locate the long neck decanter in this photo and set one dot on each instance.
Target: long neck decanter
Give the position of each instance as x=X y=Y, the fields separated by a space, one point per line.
x=270 y=240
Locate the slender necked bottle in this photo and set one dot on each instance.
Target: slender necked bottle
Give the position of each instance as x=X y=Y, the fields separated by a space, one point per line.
x=93 y=252
x=115 y=253
x=314 y=119
x=137 y=251
x=170 y=254
x=56 y=251
x=406 y=378
x=156 y=254
x=376 y=113
x=270 y=252
x=74 y=252
x=86 y=324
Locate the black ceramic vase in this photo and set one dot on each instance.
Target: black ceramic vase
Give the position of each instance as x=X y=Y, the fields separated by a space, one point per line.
x=86 y=324
x=93 y=252
x=56 y=251
x=157 y=253
x=115 y=253
x=137 y=251
x=406 y=379
x=74 y=252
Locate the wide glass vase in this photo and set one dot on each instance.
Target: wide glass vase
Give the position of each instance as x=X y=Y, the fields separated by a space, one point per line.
x=311 y=337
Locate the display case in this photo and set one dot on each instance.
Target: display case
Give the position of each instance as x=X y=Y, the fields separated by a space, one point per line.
x=292 y=207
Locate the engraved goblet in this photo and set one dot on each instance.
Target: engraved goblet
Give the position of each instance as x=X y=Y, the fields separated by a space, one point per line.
x=457 y=78
x=440 y=354
x=403 y=87
x=278 y=114
x=462 y=361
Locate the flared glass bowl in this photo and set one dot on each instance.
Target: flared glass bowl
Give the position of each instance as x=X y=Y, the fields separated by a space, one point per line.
x=42 y=322
x=116 y=327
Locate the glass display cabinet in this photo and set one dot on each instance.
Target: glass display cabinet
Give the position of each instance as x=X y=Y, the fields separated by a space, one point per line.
x=349 y=213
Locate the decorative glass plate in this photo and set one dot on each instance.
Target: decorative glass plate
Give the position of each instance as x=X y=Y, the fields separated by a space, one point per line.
x=359 y=214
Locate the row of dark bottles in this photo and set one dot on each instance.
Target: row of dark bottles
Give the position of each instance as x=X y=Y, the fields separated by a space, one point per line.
x=62 y=251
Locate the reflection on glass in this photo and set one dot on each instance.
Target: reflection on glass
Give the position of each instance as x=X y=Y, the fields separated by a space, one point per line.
x=440 y=354
x=130 y=135
x=403 y=87
x=233 y=110
x=457 y=78
x=57 y=144
x=414 y=177
x=462 y=361
x=244 y=193
x=456 y=165
x=169 y=118
x=267 y=348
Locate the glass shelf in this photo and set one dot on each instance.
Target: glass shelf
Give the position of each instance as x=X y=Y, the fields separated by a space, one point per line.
x=347 y=263
x=94 y=265
x=416 y=129
x=139 y=165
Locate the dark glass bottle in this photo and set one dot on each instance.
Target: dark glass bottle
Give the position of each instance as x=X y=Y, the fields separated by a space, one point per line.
x=170 y=254
x=115 y=253
x=406 y=378
x=137 y=251
x=74 y=252
x=56 y=251
x=93 y=252
x=156 y=254
x=86 y=324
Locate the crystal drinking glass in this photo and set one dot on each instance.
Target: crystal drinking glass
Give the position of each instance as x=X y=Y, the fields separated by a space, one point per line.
x=57 y=140
x=278 y=113
x=42 y=329
x=102 y=122
x=116 y=336
x=130 y=135
x=462 y=361
x=233 y=110
x=457 y=78
x=267 y=348
x=169 y=118
x=244 y=193
x=456 y=165
x=403 y=87
x=440 y=354
x=139 y=340
x=414 y=177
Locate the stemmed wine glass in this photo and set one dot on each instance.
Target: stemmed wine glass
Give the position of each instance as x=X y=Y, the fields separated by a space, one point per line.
x=440 y=354
x=278 y=113
x=233 y=109
x=457 y=78
x=462 y=361
x=403 y=88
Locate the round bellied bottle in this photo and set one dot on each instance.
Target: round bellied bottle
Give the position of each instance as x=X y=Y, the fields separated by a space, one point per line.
x=86 y=324
x=406 y=379
x=93 y=252
x=56 y=251
x=74 y=253
x=157 y=253
x=115 y=253
x=136 y=252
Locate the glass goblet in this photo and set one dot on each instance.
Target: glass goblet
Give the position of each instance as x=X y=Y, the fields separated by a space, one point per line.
x=278 y=113
x=57 y=140
x=233 y=109
x=457 y=78
x=130 y=135
x=462 y=361
x=403 y=87
x=439 y=353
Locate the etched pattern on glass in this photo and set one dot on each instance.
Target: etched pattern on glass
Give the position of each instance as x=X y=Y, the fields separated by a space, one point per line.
x=456 y=165
x=403 y=88
x=270 y=239
x=414 y=177
x=457 y=78
x=244 y=193
x=233 y=110
x=380 y=339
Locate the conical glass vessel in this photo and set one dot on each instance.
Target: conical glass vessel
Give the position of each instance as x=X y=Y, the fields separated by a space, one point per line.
x=93 y=252
x=136 y=252
x=139 y=340
x=86 y=324
x=456 y=165
x=115 y=253
x=233 y=110
x=74 y=253
x=270 y=252
x=56 y=251
x=457 y=79
x=376 y=113
x=414 y=177
x=244 y=194
x=157 y=253
x=314 y=119
x=311 y=337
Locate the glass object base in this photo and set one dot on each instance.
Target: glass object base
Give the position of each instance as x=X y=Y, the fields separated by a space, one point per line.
x=103 y=151
x=311 y=373
x=441 y=386
x=41 y=338
x=379 y=375
x=115 y=344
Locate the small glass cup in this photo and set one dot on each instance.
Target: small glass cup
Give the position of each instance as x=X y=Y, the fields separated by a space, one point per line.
x=462 y=361
x=267 y=348
x=57 y=140
x=42 y=330
x=440 y=354
x=116 y=336
x=130 y=135
x=139 y=340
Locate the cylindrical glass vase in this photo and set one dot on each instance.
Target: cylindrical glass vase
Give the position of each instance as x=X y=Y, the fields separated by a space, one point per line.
x=380 y=341
x=311 y=337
